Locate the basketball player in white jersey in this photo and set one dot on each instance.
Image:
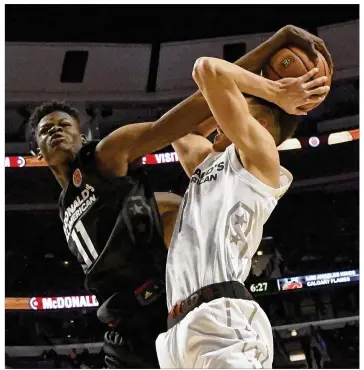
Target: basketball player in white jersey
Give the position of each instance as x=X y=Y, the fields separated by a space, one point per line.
x=235 y=185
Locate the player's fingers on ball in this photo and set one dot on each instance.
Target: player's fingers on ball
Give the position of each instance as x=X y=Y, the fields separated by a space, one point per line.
x=323 y=90
x=316 y=82
x=307 y=76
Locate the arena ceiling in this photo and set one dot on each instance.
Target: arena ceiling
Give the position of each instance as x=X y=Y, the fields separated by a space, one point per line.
x=161 y=23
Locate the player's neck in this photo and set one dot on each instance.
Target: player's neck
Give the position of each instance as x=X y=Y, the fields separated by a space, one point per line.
x=62 y=174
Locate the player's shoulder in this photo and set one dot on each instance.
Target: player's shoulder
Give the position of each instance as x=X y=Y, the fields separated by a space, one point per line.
x=87 y=168
x=87 y=162
x=87 y=152
x=236 y=165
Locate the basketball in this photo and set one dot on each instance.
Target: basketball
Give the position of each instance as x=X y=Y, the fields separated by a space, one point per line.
x=292 y=61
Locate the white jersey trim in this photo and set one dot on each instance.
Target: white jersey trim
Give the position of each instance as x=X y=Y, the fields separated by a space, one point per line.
x=285 y=176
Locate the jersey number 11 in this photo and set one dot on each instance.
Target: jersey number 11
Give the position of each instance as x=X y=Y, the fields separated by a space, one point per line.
x=79 y=233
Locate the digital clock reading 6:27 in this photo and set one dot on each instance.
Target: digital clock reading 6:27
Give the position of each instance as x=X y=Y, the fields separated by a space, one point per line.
x=268 y=286
x=259 y=287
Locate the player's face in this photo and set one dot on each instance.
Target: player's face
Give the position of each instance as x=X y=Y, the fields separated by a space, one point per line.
x=261 y=113
x=59 y=138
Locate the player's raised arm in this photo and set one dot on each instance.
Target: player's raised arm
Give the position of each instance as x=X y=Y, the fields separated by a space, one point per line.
x=132 y=141
x=221 y=83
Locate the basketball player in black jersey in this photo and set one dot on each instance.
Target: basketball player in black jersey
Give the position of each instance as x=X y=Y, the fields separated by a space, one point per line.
x=109 y=213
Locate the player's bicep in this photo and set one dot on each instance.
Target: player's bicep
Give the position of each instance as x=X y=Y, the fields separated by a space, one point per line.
x=192 y=150
x=113 y=153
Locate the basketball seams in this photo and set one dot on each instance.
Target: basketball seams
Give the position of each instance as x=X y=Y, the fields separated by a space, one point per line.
x=301 y=59
x=279 y=60
x=273 y=71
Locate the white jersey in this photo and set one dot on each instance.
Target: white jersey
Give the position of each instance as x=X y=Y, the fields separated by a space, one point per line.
x=219 y=226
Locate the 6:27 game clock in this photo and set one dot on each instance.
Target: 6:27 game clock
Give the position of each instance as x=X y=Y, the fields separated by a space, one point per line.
x=263 y=287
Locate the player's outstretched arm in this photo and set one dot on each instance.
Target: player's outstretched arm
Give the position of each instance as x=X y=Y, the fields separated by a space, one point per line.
x=193 y=148
x=133 y=141
x=221 y=83
x=130 y=142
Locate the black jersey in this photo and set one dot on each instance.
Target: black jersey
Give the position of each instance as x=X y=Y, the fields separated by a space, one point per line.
x=113 y=227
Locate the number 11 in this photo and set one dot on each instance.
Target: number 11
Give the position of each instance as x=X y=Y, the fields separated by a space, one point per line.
x=81 y=231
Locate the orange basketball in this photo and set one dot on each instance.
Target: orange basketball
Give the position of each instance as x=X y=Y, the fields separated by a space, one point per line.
x=292 y=61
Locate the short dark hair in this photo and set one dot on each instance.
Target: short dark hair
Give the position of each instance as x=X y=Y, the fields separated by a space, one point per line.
x=48 y=108
x=287 y=122
x=42 y=111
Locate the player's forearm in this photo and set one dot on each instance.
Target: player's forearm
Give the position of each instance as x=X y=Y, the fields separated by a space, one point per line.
x=191 y=112
x=254 y=60
x=176 y=123
x=194 y=110
x=247 y=82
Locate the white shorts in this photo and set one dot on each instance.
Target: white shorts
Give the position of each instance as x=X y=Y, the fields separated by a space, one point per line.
x=223 y=334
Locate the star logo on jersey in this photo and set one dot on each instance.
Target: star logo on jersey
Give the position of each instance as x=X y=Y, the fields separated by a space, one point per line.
x=238 y=225
x=137 y=209
x=240 y=220
x=235 y=239
x=138 y=219
x=77 y=178
x=239 y=215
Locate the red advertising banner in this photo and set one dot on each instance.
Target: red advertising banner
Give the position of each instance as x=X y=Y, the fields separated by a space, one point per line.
x=28 y=161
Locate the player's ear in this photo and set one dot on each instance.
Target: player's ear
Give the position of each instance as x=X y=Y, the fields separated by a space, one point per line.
x=83 y=139
x=39 y=154
x=263 y=121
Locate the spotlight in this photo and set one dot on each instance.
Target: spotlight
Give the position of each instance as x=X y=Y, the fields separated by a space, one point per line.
x=297 y=356
x=66 y=262
x=314 y=141
x=260 y=253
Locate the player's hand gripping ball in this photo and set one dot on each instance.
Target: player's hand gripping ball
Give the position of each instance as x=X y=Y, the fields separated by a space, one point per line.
x=292 y=61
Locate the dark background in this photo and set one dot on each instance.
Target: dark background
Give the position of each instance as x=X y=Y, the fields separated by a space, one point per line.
x=161 y=23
